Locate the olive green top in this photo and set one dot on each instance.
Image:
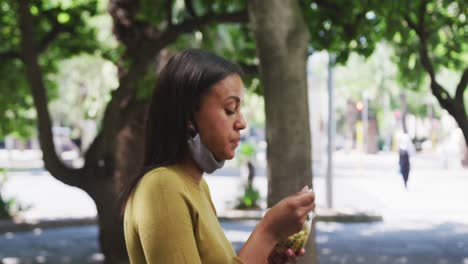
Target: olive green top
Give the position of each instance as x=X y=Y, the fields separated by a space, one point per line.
x=170 y=218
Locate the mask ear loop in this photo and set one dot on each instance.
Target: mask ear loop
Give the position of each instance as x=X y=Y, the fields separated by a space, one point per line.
x=192 y=128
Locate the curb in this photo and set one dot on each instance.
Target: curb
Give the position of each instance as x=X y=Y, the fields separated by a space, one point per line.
x=10 y=226
x=322 y=215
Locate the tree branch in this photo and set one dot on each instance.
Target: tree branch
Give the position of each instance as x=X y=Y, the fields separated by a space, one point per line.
x=437 y=90
x=412 y=24
x=454 y=106
x=189 y=7
x=169 y=12
x=151 y=47
x=328 y=5
x=422 y=14
x=189 y=25
x=30 y=58
x=249 y=69
x=352 y=28
x=461 y=87
x=129 y=30
x=51 y=36
x=57 y=28
x=8 y=55
x=423 y=52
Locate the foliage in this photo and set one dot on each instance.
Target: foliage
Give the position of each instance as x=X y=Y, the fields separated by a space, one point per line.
x=10 y=207
x=84 y=29
x=4 y=212
x=250 y=198
x=84 y=83
x=444 y=24
x=245 y=152
x=17 y=113
x=342 y=27
x=377 y=78
x=62 y=30
x=247 y=149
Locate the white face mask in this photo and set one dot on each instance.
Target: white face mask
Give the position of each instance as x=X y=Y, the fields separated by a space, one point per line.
x=202 y=155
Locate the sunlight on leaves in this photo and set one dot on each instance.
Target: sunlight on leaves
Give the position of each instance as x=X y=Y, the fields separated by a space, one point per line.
x=63 y=18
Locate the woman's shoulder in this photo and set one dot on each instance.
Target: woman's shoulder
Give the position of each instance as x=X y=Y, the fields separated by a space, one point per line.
x=161 y=176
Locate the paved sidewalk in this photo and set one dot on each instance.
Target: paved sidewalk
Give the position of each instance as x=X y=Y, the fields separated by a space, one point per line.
x=428 y=223
x=365 y=243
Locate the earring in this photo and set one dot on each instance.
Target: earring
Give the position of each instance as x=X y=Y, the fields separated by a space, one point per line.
x=191 y=128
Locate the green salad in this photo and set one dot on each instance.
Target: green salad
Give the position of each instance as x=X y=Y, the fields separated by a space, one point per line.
x=295 y=241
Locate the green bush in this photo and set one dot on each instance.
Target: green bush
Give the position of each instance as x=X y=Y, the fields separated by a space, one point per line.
x=250 y=198
x=9 y=208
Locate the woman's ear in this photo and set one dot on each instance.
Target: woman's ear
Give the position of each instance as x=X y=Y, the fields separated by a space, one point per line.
x=191 y=128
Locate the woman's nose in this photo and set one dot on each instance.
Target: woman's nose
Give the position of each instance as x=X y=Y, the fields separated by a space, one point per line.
x=240 y=123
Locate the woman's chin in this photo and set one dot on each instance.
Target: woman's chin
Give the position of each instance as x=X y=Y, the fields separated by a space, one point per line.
x=230 y=156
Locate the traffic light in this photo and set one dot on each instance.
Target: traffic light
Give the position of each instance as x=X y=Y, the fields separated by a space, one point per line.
x=359 y=106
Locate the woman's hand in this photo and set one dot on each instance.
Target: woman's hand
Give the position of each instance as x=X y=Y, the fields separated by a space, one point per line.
x=286 y=257
x=288 y=216
x=282 y=220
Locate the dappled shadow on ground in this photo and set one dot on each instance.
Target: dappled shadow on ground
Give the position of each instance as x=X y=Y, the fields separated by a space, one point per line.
x=409 y=242
x=379 y=243
x=368 y=243
x=73 y=245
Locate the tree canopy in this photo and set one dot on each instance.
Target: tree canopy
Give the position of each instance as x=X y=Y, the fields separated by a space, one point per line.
x=429 y=36
x=61 y=30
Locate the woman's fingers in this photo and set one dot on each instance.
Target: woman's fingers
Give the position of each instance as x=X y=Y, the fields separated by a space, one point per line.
x=288 y=256
x=305 y=199
x=294 y=256
x=302 y=204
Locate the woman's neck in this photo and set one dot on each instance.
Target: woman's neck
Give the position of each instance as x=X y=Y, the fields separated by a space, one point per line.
x=192 y=169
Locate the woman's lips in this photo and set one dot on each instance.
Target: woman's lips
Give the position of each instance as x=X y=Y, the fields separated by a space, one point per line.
x=235 y=142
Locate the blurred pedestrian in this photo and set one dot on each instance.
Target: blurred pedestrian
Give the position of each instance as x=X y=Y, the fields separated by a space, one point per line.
x=406 y=149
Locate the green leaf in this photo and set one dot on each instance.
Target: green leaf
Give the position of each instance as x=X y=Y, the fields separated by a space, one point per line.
x=63 y=18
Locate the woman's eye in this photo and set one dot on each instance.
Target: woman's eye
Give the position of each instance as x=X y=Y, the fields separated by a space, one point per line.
x=229 y=111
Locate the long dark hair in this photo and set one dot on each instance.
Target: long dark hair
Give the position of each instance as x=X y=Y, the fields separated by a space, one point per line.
x=181 y=84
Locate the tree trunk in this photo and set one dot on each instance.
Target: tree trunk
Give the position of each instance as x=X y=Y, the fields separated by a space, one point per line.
x=455 y=106
x=128 y=158
x=111 y=237
x=282 y=40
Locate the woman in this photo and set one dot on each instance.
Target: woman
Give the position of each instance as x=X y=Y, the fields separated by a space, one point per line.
x=193 y=126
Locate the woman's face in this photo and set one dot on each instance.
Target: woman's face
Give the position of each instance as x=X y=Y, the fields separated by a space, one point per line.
x=219 y=118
